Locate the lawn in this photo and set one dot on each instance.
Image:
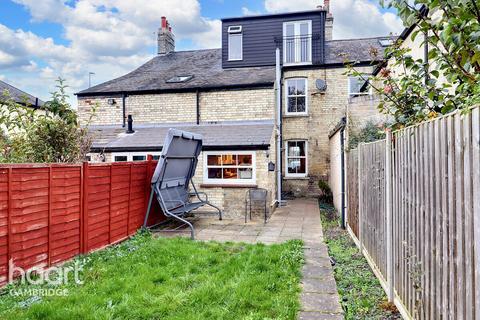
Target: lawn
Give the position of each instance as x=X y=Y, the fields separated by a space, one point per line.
x=361 y=294
x=150 y=278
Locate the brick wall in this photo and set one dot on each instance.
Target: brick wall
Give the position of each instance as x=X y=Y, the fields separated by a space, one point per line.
x=225 y=105
x=324 y=112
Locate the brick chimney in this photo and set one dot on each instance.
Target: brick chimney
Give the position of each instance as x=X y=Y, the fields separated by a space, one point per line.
x=328 y=21
x=165 y=38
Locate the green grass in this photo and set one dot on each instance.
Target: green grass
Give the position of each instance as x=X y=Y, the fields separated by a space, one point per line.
x=149 y=278
x=361 y=294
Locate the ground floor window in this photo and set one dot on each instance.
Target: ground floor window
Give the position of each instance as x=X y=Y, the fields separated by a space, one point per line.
x=296 y=158
x=133 y=156
x=236 y=167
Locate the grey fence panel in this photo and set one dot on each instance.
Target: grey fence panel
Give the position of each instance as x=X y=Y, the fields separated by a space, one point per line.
x=434 y=180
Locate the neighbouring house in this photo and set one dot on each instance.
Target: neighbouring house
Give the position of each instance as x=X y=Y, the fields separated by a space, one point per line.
x=19 y=96
x=229 y=95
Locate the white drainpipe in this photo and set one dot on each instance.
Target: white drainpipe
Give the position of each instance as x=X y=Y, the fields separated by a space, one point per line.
x=278 y=125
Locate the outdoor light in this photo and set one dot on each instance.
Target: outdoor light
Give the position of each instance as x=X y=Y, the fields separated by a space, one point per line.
x=111 y=102
x=271 y=166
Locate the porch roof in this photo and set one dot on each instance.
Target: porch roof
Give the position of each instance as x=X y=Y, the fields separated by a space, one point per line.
x=228 y=135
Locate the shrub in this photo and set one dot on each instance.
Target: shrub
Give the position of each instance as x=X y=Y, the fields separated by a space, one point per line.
x=326 y=195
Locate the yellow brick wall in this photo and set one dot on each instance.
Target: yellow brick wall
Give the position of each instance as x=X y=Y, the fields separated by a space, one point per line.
x=224 y=105
x=324 y=113
x=237 y=105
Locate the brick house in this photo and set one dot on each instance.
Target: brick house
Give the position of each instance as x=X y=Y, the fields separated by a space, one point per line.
x=229 y=95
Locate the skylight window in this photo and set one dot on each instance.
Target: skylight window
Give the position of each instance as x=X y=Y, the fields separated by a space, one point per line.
x=179 y=79
x=386 y=42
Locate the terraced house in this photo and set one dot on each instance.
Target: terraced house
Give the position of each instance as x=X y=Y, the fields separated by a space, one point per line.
x=254 y=134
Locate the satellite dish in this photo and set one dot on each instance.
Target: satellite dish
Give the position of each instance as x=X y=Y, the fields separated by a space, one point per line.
x=321 y=85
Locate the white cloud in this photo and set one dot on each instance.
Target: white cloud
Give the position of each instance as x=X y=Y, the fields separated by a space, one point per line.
x=108 y=37
x=248 y=12
x=352 y=18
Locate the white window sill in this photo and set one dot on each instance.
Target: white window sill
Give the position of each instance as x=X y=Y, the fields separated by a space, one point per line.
x=220 y=185
x=296 y=115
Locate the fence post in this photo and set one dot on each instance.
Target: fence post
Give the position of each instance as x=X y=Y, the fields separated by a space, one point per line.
x=360 y=196
x=84 y=217
x=389 y=213
x=49 y=226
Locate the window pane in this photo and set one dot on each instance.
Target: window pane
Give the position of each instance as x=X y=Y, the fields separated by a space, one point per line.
x=235 y=46
x=293 y=165
x=139 y=158
x=289 y=30
x=214 y=173
x=157 y=157
x=358 y=84
x=120 y=158
x=304 y=29
x=245 y=159
x=292 y=104
x=214 y=160
x=300 y=104
x=291 y=87
x=230 y=173
x=301 y=147
x=229 y=160
x=300 y=87
x=245 y=173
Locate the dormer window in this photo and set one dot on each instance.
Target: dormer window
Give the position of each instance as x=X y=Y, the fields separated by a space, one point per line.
x=235 y=43
x=297 y=42
x=179 y=79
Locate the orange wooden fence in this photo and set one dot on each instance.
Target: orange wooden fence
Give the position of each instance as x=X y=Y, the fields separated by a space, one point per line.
x=50 y=213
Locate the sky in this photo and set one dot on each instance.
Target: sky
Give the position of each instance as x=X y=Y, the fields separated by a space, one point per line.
x=41 y=40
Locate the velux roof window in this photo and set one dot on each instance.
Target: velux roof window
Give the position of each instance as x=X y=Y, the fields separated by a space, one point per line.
x=179 y=79
x=386 y=42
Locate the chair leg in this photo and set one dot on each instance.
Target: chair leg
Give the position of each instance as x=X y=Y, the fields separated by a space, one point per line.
x=192 y=229
x=219 y=211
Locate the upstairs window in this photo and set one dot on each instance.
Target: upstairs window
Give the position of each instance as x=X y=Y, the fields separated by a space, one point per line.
x=358 y=86
x=235 y=43
x=297 y=42
x=180 y=79
x=296 y=96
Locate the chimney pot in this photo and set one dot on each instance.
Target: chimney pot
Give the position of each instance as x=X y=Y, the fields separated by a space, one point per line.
x=165 y=38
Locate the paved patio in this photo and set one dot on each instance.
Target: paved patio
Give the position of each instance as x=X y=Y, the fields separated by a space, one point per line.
x=299 y=219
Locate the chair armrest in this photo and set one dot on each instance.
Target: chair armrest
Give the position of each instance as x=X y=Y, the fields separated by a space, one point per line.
x=197 y=194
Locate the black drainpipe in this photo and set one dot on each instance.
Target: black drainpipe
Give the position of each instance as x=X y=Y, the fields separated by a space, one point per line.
x=342 y=163
x=198 y=107
x=124 y=111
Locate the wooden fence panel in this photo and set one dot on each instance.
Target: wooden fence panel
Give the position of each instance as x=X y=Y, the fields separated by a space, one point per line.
x=51 y=213
x=352 y=191
x=435 y=215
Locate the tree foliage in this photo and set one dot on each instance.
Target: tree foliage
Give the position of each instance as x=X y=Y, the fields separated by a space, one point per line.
x=449 y=80
x=51 y=134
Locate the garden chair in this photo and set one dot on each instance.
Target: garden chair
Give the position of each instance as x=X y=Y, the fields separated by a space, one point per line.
x=256 y=195
x=173 y=176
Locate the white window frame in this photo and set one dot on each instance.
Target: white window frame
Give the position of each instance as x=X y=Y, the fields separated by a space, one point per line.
x=228 y=182
x=297 y=47
x=130 y=155
x=296 y=175
x=287 y=96
x=352 y=94
x=235 y=31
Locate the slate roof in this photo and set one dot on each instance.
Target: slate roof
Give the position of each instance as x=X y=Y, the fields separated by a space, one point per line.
x=204 y=65
x=216 y=135
x=337 y=51
x=207 y=71
x=19 y=96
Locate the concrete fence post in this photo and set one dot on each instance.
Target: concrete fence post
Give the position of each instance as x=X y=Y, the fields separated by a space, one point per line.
x=389 y=213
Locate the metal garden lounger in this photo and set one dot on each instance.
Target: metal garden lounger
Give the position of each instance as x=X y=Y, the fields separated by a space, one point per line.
x=173 y=175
